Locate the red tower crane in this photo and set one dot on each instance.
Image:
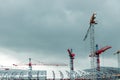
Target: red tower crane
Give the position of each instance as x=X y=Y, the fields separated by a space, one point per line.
x=71 y=55
x=97 y=54
x=30 y=64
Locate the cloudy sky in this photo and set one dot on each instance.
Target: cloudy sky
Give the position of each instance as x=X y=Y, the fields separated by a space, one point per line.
x=45 y=29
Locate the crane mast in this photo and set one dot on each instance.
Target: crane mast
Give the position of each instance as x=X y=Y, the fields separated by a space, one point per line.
x=118 y=57
x=30 y=70
x=92 y=49
x=71 y=55
x=92 y=42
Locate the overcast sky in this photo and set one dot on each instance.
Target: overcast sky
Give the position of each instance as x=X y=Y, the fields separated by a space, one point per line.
x=45 y=29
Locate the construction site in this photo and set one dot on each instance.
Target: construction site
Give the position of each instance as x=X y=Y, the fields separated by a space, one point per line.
x=19 y=73
x=96 y=72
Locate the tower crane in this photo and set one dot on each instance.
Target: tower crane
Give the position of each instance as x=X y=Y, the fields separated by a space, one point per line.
x=97 y=54
x=92 y=41
x=118 y=55
x=71 y=55
x=30 y=64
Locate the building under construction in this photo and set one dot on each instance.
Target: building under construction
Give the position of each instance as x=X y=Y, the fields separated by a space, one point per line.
x=106 y=73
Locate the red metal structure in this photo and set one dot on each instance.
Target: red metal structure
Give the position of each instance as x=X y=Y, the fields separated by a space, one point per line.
x=71 y=55
x=92 y=20
x=97 y=54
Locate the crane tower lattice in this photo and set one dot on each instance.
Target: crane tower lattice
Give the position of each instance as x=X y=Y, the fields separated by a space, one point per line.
x=92 y=42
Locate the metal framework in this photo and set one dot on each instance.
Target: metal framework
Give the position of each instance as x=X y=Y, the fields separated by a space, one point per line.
x=92 y=42
x=118 y=57
x=71 y=55
x=105 y=74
